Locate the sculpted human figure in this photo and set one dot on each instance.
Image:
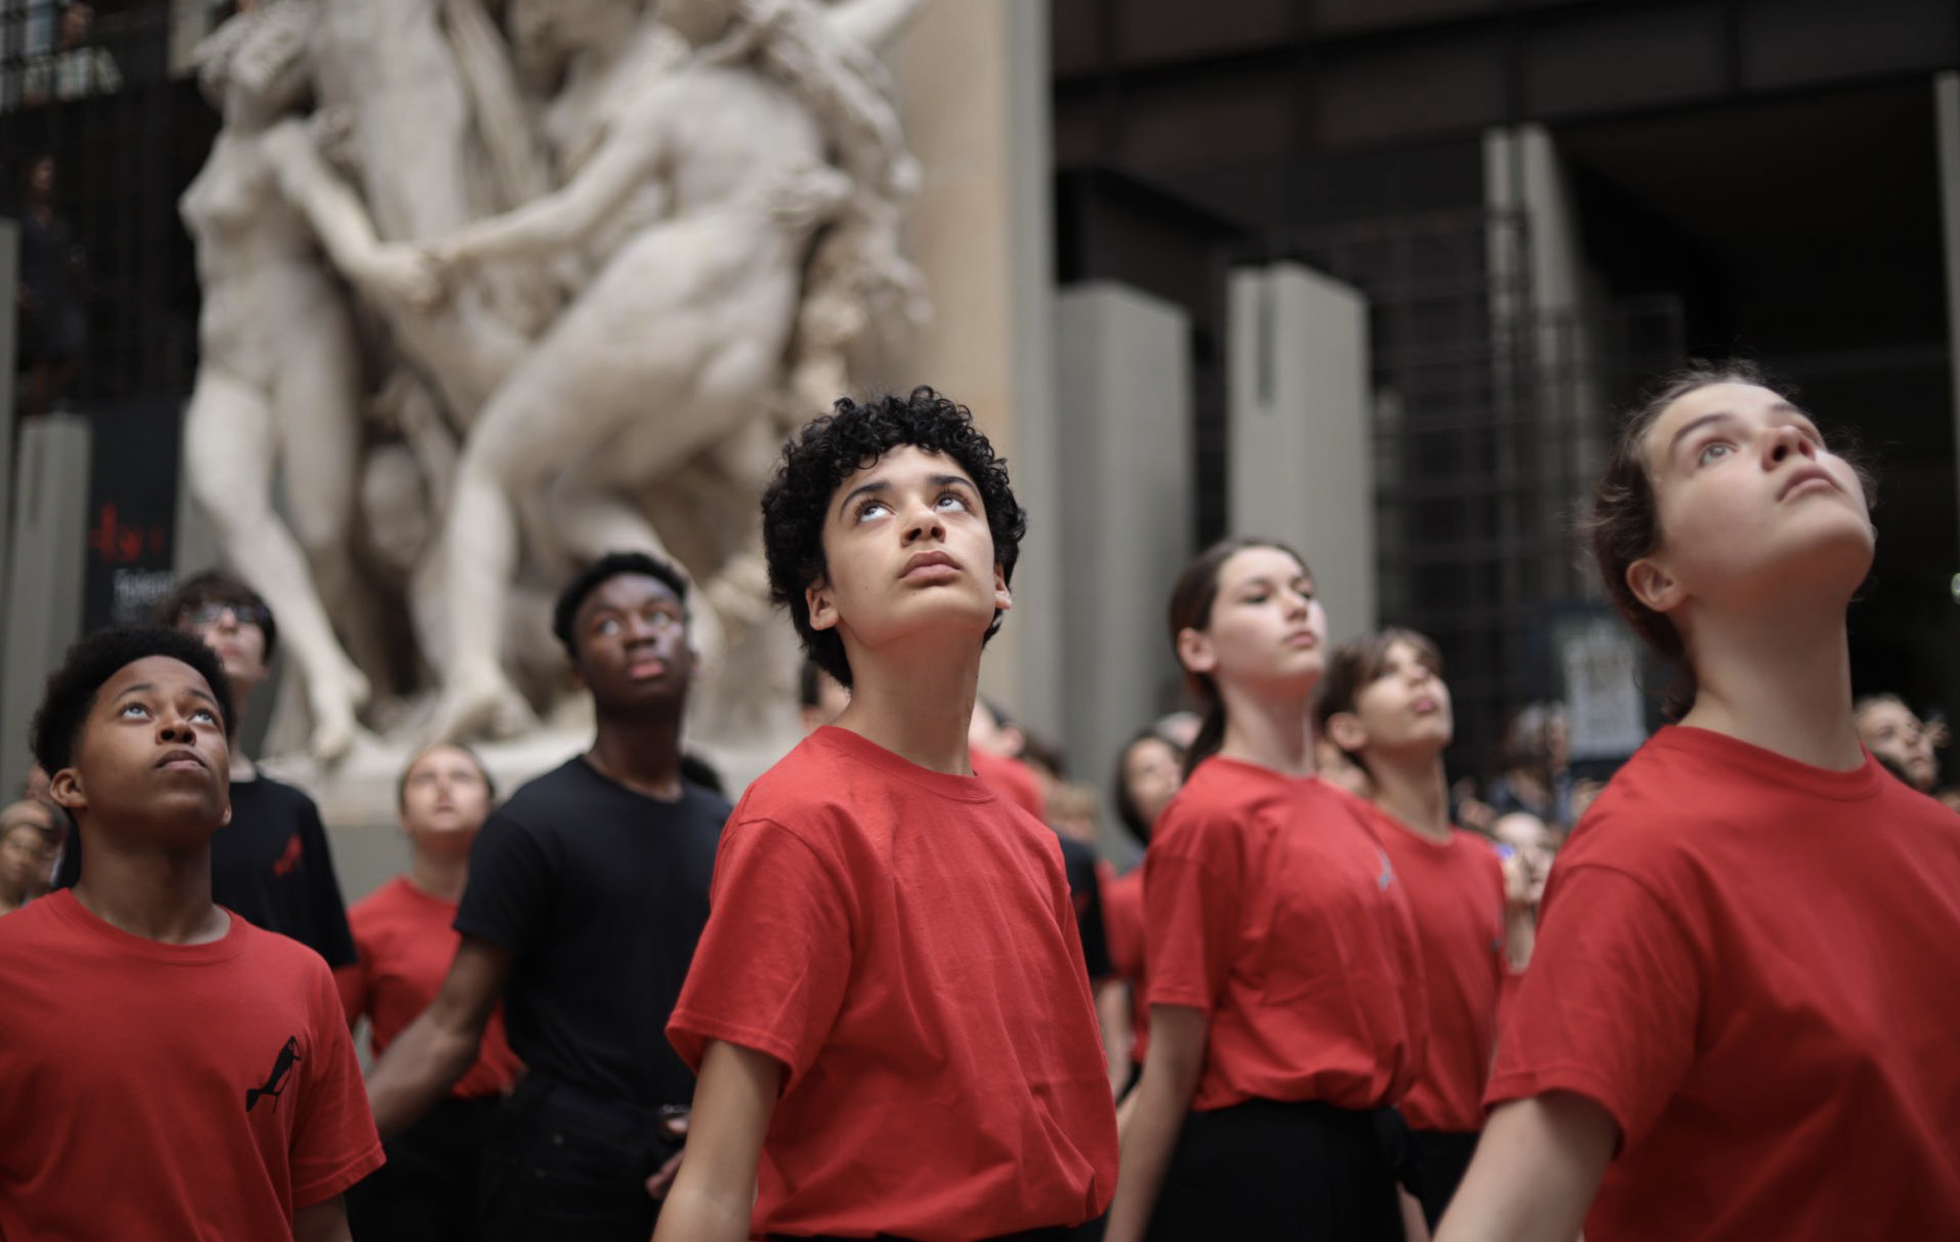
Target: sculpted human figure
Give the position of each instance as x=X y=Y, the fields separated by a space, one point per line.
x=437 y=137
x=678 y=340
x=280 y=368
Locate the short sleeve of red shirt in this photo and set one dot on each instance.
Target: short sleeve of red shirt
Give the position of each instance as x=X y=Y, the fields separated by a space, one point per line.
x=1608 y=1008
x=780 y=1004
x=334 y=1142
x=1193 y=875
x=352 y=983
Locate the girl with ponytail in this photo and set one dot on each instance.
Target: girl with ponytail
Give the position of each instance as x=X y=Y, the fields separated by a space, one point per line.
x=1739 y=1020
x=1285 y=995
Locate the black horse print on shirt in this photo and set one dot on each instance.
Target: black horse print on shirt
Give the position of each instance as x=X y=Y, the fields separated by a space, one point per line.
x=275 y=1084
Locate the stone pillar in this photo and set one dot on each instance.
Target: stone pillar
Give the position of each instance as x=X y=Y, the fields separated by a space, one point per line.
x=973 y=94
x=1946 y=103
x=1125 y=516
x=1300 y=464
x=1544 y=290
x=48 y=548
x=9 y=279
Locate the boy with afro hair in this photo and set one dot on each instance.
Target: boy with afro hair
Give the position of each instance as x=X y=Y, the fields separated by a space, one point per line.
x=587 y=892
x=888 y=1012
x=149 y=1036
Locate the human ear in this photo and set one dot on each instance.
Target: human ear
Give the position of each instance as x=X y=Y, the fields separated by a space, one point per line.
x=1195 y=651
x=1653 y=586
x=1346 y=731
x=65 y=787
x=1003 y=598
x=227 y=819
x=818 y=600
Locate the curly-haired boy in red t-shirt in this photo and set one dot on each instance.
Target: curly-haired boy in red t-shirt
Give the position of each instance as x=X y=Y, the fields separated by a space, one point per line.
x=888 y=1011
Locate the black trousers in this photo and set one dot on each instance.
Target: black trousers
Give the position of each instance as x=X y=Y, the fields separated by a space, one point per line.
x=563 y=1164
x=1271 y=1170
x=1440 y=1161
x=428 y=1190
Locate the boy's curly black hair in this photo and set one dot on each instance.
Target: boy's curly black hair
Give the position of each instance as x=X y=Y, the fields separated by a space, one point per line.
x=605 y=569
x=91 y=662
x=832 y=448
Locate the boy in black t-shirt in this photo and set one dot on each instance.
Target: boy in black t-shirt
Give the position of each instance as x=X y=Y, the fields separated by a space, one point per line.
x=587 y=892
x=271 y=864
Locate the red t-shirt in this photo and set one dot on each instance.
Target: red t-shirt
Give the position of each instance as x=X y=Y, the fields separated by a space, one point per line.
x=1456 y=897
x=1270 y=905
x=1122 y=900
x=903 y=942
x=405 y=943
x=1749 y=962
x=1011 y=779
x=162 y=1092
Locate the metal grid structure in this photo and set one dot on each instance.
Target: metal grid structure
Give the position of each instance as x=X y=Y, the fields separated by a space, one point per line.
x=125 y=135
x=1490 y=418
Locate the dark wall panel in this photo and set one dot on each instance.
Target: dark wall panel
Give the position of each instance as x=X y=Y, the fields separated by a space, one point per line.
x=1399 y=93
x=1341 y=16
x=1077 y=128
x=1074 y=37
x=1154 y=31
x=1603 y=62
x=1799 y=42
x=1202 y=121
x=1407 y=181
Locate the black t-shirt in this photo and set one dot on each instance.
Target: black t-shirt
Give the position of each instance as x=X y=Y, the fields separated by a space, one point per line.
x=271 y=866
x=1085 y=891
x=601 y=893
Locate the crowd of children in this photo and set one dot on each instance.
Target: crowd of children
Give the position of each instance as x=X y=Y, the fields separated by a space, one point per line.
x=890 y=992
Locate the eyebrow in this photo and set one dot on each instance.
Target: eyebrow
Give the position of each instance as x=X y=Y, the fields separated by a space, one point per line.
x=1263 y=580
x=880 y=486
x=151 y=688
x=598 y=610
x=1727 y=416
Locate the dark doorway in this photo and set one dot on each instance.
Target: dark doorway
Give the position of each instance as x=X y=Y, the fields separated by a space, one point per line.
x=1806 y=233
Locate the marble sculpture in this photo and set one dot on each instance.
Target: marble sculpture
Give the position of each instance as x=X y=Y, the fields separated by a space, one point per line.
x=491 y=288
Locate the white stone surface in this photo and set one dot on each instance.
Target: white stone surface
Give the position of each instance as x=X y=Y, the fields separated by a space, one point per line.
x=1301 y=461
x=513 y=295
x=1125 y=521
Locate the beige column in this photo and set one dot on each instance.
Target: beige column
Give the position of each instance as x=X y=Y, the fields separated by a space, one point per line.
x=1126 y=383
x=46 y=559
x=973 y=93
x=1301 y=464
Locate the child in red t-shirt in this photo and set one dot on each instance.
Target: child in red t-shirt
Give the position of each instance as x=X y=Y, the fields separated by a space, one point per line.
x=889 y=1010
x=168 y=1070
x=1149 y=769
x=1739 y=1022
x=405 y=939
x=1385 y=706
x=1285 y=989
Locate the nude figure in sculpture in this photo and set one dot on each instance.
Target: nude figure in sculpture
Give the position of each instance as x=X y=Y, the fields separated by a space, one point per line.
x=438 y=138
x=280 y=371
x=678 y=341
